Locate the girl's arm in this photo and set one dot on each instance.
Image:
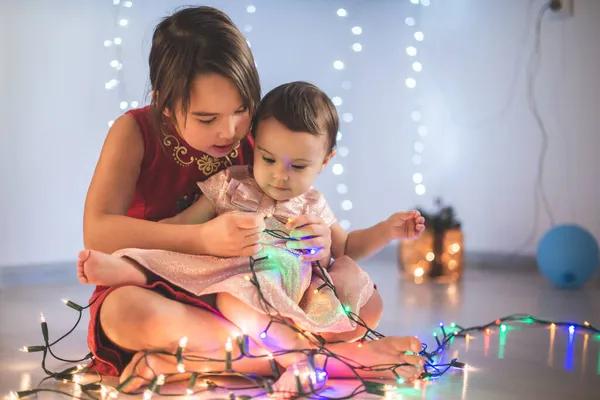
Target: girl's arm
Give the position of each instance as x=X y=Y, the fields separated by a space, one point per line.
x=359 y=244
x=106 y=227
x=203 y=210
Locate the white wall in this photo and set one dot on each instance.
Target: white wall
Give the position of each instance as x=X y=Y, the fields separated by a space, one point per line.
x=481 y=152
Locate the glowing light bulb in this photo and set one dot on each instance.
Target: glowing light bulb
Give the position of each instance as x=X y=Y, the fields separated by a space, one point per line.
x=503 y=328
x=183 y=342
x=572 y=329
x=42 y=318
x=339 y=65
x=263 y=335
x=342 y=12
x=228 y=345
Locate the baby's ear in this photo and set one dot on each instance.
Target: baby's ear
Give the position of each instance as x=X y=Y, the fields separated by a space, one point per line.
x=327 y=159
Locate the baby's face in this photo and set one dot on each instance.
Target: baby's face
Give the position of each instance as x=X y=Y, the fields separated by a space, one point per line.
x=286 y=163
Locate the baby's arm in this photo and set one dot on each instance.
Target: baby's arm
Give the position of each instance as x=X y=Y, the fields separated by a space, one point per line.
x=203 y=210
x=361 y=243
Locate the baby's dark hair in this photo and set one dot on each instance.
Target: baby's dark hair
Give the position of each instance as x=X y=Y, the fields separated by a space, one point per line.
x=195 y=41
x=300 y=107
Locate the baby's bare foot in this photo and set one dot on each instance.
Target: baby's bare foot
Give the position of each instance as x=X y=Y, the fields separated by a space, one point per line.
x=297 y=381
x=96 y=268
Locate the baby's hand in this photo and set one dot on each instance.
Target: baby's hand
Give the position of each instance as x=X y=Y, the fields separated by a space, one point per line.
x=406 y=225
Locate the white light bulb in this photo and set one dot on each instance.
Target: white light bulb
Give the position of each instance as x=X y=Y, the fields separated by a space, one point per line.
x=128 y=4
x=107 y=43
x=248 y=28
x=357 y=47
x=414 y=1
x=346 y=205
x=118 y=40
x=339 y=65
x=410 y=21
x=419 y=36
x=419 y=147
x=123 y=105
x=251 y=9
x=346 y=85
x=415 y=115
x=357 y=30
x=416 y=159
x=123 y=22
x=422 y=131
x=342 y=188
x=337 y=169
x=347 y=117
x=411 y=51
x=411 y=83
x=116 y=2
x=417 y=177
x=345 y=224
x=420 y=189
x=343 y=151
x=337 y=101
x=417 y=67
x=119 y=67
x=339 y=136
x=114 y=63
x=342 y=12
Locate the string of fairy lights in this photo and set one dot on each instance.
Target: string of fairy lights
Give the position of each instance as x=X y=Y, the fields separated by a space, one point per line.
x=413 y=23
x=346 y=117
x=201 y=382
x=316 y=349
x=120 y=16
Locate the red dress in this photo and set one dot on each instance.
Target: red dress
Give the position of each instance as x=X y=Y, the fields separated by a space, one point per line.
x=166 y=186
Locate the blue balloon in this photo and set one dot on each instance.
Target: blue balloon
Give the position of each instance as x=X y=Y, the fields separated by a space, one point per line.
x=568 y=256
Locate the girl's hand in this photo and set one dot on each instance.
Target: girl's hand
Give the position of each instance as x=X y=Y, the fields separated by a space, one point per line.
x=230 y=235
x=313 y=237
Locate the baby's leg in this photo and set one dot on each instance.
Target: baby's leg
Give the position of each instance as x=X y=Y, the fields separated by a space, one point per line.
x=96 y=268
x=341 y=272
x=276 y=337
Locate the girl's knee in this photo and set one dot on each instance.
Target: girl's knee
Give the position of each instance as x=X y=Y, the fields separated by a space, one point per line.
x=129 y=307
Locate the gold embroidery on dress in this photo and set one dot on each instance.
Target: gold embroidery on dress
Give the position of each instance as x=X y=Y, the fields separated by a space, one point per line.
x=207 y=164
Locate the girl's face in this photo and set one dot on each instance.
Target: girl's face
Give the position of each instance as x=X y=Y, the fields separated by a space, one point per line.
x=216 y=120
x=286 y=163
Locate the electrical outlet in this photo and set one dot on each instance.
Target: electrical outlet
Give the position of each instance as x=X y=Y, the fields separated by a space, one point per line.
x=562 y=8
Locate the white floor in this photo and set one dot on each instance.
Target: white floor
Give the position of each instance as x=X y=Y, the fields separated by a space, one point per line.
x=528 y=362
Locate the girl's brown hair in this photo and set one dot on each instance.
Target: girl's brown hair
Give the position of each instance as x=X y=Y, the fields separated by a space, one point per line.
x=194 y=41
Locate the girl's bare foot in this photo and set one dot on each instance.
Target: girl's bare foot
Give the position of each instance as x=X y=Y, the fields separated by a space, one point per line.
x=96 y=268
x=143 y=368
x=377 y=354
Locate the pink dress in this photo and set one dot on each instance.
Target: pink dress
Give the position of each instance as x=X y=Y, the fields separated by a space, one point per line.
x=286 y=282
